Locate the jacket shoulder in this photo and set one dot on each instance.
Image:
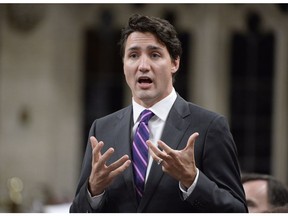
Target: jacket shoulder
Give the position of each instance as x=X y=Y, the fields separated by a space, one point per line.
x=111 y=120
x=118 y=114
x=185 y=107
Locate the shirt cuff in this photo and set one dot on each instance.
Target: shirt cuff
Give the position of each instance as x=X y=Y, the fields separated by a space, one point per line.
x=95 y=200
x=187 y=192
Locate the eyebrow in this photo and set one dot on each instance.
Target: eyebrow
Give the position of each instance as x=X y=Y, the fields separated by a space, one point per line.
x=150 y=47
x=154 y=47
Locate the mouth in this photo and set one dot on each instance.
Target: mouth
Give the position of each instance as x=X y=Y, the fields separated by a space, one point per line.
x=144 y=82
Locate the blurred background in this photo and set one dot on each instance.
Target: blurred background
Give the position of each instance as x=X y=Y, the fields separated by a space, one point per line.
x=60 y=68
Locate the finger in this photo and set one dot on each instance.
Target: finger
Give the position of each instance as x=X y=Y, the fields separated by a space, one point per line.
x=151 y=152
x=120 y=169
x=156 y=152
x=105 y=157
x=166 y=148
x=191 y=141
x=93 y=142
x=120 y=162
x=96 y=148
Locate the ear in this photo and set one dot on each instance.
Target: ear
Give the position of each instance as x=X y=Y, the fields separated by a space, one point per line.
x=175 y=65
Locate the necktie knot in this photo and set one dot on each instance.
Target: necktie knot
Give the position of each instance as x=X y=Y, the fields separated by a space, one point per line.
x=146 y=115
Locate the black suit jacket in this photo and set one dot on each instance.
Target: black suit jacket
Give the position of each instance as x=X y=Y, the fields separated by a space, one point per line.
x=218 y=189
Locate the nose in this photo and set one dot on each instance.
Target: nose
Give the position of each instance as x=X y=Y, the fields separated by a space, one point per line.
x=144 y=65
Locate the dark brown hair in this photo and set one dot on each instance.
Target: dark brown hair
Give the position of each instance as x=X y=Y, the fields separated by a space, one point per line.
x=162 y=29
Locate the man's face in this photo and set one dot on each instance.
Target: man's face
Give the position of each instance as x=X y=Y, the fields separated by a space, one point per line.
x=256 y=196
x=148 y=68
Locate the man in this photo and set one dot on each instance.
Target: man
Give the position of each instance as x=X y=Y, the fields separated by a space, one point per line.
x=192 y=163
x=264 y=193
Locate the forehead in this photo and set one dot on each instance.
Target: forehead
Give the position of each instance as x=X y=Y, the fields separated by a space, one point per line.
x=256 y=185
x=256 y=188
x=139 y=39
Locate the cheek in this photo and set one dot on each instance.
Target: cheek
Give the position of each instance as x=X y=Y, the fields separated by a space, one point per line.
x=128 y=76
x=128 y=68
x=166 y=75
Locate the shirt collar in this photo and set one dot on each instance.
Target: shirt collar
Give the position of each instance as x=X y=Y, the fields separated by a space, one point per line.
x=161 y=109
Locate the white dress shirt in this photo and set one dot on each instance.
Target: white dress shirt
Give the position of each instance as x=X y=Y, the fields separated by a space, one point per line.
x=156 y=125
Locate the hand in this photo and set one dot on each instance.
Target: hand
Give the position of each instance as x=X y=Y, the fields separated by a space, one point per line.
x=178 y=164
x=101 y=174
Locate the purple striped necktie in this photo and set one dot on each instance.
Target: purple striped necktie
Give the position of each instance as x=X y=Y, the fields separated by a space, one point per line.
x=140 y=152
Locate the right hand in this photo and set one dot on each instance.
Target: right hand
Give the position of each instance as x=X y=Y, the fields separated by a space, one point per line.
x=101 y=174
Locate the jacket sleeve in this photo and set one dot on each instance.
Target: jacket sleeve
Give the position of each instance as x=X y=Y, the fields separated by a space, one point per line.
x=219 y=187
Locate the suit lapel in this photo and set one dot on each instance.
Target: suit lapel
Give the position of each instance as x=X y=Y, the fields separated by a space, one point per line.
x=174 y=129
x=123 y=139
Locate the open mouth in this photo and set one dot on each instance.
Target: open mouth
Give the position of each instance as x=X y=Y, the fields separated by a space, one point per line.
x=144 y=80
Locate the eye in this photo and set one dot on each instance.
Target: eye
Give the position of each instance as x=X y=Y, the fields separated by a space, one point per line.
x=155 y=55
x=133 y=55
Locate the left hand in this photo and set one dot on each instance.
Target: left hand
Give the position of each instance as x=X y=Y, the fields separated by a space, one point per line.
x=180 y=164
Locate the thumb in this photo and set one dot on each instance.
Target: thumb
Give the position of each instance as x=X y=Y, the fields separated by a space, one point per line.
x=191 y=140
